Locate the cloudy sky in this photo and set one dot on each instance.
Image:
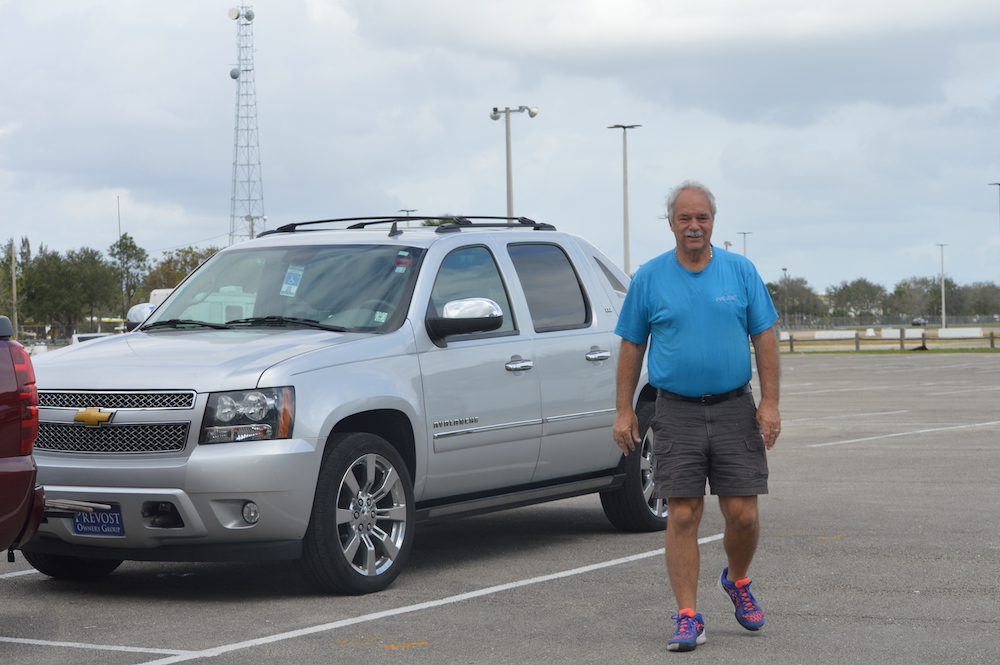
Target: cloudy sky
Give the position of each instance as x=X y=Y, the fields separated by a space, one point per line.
x=842 y=138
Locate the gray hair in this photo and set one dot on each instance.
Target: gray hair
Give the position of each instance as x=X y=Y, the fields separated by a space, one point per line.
x=688 y=184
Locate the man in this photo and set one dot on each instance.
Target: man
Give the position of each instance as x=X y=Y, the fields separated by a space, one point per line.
x=696 y=307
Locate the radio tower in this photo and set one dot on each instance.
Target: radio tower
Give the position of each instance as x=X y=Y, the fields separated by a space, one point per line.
x=246 y=208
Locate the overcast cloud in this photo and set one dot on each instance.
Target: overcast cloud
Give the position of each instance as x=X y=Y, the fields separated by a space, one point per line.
x=846 y=138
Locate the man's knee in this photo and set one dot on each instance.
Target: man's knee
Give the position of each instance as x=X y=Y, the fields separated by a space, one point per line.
x=685 y=513
x=740 y=512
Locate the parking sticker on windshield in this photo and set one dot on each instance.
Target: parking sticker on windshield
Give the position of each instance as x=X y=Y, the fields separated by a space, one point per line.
x=292 y=279
x=403 y=261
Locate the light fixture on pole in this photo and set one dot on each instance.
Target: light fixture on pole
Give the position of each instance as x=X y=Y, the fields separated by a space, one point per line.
x=505 y=114
x=944 y=318
x=407 y=211
x=744 y=234
x=625 y=254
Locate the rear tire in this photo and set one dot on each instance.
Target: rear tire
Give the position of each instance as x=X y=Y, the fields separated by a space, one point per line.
x=632 y=507
x=362 y=521
x=76 y=568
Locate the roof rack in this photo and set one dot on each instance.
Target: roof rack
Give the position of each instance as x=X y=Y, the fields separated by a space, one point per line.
x=446 y=223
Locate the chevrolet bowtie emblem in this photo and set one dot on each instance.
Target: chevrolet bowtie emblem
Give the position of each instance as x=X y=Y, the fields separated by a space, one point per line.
x=92 y=417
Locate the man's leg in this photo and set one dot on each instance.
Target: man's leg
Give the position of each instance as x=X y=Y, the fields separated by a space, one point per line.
x=740 y=542
x=742 y=533
x=683 y=555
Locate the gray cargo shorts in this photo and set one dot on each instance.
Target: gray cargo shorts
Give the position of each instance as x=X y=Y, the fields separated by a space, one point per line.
x=720 y=443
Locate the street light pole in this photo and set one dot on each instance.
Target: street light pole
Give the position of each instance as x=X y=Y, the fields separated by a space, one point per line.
x=944 y=319
x=625 y=129
x=505 y=114
x=745 y=234
x=407 y=211
x=997 y=184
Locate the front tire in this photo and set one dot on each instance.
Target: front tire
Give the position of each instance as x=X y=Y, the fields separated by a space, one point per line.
x=632 y=506
x=74 y=568
x=362 y=521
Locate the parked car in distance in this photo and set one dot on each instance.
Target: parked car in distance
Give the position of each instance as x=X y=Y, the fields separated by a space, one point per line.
x=21 y=499
x=919 y=321
x=318 y=394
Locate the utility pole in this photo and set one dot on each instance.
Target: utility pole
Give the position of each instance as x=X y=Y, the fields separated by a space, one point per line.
x=944 y=318
x=13 y=284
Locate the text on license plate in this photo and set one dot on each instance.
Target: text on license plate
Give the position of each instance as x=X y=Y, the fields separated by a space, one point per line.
x=100 y=523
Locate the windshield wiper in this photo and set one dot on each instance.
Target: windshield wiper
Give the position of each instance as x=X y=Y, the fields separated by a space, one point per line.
x=280 y=320
x=177 y=323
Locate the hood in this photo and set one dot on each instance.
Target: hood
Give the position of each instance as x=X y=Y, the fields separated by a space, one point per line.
x=201 y=360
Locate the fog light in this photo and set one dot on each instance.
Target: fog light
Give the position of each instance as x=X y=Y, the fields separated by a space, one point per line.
x=251 y=513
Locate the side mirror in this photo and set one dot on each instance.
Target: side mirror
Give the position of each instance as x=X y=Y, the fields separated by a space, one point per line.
x=462 y=317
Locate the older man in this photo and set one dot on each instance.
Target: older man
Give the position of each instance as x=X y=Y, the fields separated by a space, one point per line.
x=696 y=307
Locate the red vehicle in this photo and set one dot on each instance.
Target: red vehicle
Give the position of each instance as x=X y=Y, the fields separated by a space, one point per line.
x=22 y=501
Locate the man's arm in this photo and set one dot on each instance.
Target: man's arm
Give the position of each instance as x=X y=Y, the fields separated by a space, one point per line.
x=765 y=345
x=626 y=427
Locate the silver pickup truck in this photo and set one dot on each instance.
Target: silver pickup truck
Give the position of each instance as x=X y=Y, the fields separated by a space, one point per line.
x=317 y=393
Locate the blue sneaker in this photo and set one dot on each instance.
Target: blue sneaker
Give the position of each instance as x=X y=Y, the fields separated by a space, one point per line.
x=690 y=632
x=748 y=612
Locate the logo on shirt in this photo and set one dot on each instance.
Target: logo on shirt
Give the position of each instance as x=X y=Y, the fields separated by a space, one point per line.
x=727 y=298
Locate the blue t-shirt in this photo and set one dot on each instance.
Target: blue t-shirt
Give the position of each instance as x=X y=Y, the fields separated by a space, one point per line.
x=697 y=323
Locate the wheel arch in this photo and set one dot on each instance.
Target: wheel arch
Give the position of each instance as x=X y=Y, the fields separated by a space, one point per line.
x=392 y=425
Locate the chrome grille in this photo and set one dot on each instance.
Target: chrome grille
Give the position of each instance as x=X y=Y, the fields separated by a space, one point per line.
x=146 y=438
x=98 y=400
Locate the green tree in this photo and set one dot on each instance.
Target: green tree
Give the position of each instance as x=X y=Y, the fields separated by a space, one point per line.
x=795 y=299
x=981 y=298
x=95 y=281
x=857 y=298
x=174 y=266
x=50 y=290
x=131 y=263
x=953 y=295
x=913 y=297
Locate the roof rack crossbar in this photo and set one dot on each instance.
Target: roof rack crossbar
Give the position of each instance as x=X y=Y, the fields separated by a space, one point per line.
x=446 y=223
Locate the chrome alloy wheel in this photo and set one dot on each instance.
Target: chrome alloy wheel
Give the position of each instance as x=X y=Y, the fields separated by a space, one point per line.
x=658 y=507
x=371 y=515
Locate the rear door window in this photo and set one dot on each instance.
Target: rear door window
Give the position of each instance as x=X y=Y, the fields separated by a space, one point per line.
x=556 y=298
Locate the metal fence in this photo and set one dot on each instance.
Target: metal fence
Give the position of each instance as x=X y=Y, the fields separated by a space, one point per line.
x=800 y=321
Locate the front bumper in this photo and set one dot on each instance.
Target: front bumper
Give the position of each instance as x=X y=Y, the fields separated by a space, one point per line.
x=205 y=493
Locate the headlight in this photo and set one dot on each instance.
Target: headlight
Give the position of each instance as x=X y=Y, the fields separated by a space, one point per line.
x=249 y=415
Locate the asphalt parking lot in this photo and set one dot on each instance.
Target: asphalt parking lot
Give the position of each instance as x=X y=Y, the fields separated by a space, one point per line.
x=880 y=543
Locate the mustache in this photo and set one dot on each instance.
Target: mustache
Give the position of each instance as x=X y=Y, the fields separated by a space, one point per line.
x=694 y=234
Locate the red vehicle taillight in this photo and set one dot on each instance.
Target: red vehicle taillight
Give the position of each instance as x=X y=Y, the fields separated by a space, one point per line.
x=28 y=393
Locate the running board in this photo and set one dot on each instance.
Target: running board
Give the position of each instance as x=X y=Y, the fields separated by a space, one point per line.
x=526 y=497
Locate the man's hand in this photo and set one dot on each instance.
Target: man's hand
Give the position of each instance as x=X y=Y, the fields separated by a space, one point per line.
x=765 y=345
x=769 y=420
x=626 y=430
x=626 y=427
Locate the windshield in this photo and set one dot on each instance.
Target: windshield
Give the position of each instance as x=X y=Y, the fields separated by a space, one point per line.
x=361 y=288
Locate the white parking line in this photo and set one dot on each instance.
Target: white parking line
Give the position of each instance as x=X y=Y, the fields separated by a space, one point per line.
x=180 y=657
x=972 y=390
x=95 y=647
x=17 y=574
x=846 y=415
x=897 y=434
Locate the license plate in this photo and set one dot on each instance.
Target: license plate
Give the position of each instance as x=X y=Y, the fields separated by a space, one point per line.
x=100 y=523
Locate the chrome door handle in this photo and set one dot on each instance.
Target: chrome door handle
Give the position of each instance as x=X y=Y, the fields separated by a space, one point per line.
x=519 y=365
x=599 y=355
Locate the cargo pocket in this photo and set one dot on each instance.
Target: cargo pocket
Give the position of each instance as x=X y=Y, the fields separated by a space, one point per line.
x=756 y=455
